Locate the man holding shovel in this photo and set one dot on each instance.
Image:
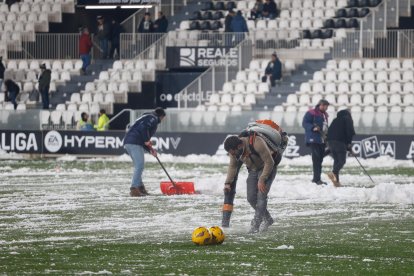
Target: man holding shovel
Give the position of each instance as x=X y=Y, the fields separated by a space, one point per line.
x=136 y=140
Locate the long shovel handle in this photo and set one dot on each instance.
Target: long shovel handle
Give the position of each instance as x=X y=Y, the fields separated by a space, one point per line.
x=162 y=166
x=365 y=171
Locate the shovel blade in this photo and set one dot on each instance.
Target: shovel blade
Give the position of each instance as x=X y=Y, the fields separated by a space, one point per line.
x=180 y=188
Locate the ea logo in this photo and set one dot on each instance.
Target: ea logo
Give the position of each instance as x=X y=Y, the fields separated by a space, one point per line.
x=53 y=141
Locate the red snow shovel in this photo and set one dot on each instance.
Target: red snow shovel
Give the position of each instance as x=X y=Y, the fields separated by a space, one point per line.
x=175 y=188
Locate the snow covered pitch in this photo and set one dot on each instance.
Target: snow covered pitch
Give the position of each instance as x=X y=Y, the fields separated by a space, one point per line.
x=75 y=217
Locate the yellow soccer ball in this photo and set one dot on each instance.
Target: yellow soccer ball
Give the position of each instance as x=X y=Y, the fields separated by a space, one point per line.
x=217 y=235
x=201 y=236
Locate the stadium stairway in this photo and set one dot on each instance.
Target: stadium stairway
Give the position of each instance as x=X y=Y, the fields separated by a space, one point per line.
x=78 y=82
x=290 y=84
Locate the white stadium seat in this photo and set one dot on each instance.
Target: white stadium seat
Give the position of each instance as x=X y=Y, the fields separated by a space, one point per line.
x=381 y=117
x=394 y=116
x=368 y=116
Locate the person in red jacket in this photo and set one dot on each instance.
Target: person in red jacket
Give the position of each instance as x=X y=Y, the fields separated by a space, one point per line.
x=85 y=45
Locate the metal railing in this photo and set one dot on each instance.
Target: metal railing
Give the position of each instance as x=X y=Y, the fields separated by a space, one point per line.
x=143 y=46
x=212 y=80
x=48 y=46
x=169 y=8
x=375 y=44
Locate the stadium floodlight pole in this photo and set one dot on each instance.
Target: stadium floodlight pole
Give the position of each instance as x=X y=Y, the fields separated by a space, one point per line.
x=365 y=171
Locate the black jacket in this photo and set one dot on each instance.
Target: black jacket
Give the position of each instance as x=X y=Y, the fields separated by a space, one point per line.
x=116 y=30
x=274 y=68
x=145 y=27
x=227 y=23
x=44 y=79
x=2 y=69
x=342 y=128
x=161 y=25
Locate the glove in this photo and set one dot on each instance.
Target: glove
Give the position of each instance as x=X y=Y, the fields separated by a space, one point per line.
x=349 y=147
x=151 y=149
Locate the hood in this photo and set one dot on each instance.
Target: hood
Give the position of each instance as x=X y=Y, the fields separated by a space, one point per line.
x=343 y=113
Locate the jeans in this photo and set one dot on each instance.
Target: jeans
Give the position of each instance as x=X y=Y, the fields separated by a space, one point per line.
x=12 y=98
x=45 y=97
x=86 y=61
x=257 y=199
x=137 y=154
x=103 y=43
x=318 y=152
x=338 y=151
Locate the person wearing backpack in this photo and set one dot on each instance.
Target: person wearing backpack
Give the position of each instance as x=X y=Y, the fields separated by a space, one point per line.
x=261 y=160
x=12 y=90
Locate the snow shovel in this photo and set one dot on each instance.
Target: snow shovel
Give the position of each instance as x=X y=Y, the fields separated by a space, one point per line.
x=175 y=188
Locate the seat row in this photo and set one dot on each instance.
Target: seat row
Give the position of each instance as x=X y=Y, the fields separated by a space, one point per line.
x=367 y=117
x=356 y=88
x=320 y=4
x=55 y=65
x=363 y=76
x=258 y=88
x=29 y=86
x=132 y=65
x=369 y=64
x=352 y=100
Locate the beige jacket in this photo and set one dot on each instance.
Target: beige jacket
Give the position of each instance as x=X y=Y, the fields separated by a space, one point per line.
x=263 y=161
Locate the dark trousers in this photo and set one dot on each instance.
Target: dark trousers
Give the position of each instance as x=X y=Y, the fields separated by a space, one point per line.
x=45 y=97
x=338 y=152
x=318 y=152
x=114 y=46
x=12 y=98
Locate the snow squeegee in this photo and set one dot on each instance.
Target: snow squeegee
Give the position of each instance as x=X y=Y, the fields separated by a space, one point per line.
x=175 y=188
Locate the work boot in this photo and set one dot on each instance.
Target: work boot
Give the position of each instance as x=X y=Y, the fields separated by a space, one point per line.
x=334 y=179
x=267 y=222
x=135 y=192
x=254 y=226
x=320 y=182
x=143 y=190
x=225 y=222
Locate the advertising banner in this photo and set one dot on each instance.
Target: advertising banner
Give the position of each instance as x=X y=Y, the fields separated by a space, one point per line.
x=116 y=2
x=181 y=143
x=192 y=57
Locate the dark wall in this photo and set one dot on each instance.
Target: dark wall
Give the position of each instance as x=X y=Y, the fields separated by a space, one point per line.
x=82 y=17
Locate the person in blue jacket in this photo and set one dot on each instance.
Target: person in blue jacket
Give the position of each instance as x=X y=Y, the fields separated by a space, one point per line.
x=315 y=123
x=136 y=141
x=238 y=25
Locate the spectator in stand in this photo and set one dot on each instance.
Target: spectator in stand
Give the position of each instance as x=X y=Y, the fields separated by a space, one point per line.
x=269 y=9
x=12 y=90
x=227 y=27
x=85 y=46
x=2 y=70
x=161 y=24
x=44 y=84
x=257 y=10
x=238 y=25
x=103 y=121
x=103 y=34
x=85 y=123
x=116 y=30
x=146 y=25
x=273 y=71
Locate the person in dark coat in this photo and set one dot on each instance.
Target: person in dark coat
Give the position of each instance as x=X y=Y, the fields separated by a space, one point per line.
x=136 y=141
x=146 y=26
x=239 y=26
x=269 y=9
x=103 y=35
x=116 y=30
x=340 y=134
x=12 y=90
x=2 y=70
x=44 y=85
x=161 y=24
x=227 y=27
x=315 y=123
x=273 y=71
x=257 y=10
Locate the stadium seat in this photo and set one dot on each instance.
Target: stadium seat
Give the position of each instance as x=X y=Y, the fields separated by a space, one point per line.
x=226 y=99
x=290 y=116
x=356 y=76
x=331 y=88
x=292 y=99
x=44 y=118
x=356 y=87
x=369 y=88
x=408 y=100
x=55 y=118
x=408 y=64
x=343 y=76
x=75 y=98
x=382 y=99
x=408 y=117
x=72 y=107
x=61 y=107
x=368 y=116
x=369 y=100
x=317 y=88
x=356 y=115
x=382 y=88
x=395 y=100
x=395 y=116
x=408 y=87
x=356 y=99
x=67 y=118
x=408 y=76
x=381 y=64
x=381 y=116
x=395 y=64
